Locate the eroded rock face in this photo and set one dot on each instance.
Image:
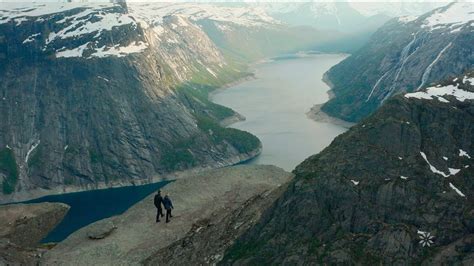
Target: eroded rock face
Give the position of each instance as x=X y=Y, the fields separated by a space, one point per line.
x=395 y=189
x=211 y=209
x=209 y=238
x=404 y=55
x=92 y=97
x=23 y=226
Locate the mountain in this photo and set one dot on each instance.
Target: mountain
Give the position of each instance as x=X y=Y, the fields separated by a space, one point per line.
x=404 y=55
x=350 y=23
x=212 y=209
x=93 y=95
x=244 y=32
x=395 y=189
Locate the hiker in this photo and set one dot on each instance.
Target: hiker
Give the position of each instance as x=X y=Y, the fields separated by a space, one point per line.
x=168 y=206
x=158 y=201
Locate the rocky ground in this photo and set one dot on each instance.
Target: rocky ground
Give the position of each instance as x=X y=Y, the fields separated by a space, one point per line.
x=22 y=226
x=212 y=209
x=395 y=189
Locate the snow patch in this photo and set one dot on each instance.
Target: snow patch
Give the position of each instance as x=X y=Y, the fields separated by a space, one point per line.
x=457 y=190
x=433 y=169
x=456 y=14
x=453 y=171
x=103 y=78
x=403 y=177
x=80 y=24
x=437 y=93
x=120 y=51
x=468 y=79
x=31 y=38
x=33 y=147
x=76 y=52
x=355 y=182
x=463 y=154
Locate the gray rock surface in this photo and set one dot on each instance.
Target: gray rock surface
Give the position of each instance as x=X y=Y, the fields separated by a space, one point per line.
x=81 y=123
x=371 y=197
x=23 y=226
x=402 y=56
x=200 y=200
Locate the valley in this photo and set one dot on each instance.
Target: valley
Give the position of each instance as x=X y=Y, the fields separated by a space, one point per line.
x=312 y=133
x=274 y=105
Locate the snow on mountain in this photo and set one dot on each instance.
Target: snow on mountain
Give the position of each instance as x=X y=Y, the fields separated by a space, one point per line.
x=404 y=55
x=440 y=92
x=153 y=13
x=453 y=16
x=19 y=12
x=92 y=21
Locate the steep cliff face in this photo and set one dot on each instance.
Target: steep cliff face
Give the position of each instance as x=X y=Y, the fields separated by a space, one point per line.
x=90 y=98
x=405 y=55
x=395 y=189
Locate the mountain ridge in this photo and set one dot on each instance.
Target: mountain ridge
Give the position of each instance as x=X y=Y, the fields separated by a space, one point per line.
x=404 y=55
x=401 y=195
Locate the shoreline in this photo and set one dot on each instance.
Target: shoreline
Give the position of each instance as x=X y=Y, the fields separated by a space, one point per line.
x=318 y=115
x=22 y=196
x=133 y=236
x=236 y=117
x=315 y=114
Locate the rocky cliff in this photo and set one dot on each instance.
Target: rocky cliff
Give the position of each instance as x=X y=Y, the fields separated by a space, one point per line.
x=211 y=209
x=93 y=95
x=23 y=226
x=404 y=55
x=395 y=189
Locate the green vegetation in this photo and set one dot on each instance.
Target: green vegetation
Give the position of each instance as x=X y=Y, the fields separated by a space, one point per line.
x=95 y=156
x=179 y=155
x=196 y=96
x=8 y=167
x=243 y=141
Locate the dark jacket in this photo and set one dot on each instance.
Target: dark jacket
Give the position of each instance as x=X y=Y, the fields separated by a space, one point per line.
x=158 y=201
x=167 y=203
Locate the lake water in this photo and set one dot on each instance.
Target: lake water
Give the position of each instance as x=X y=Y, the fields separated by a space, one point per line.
x=275 y=106
x=90 y=206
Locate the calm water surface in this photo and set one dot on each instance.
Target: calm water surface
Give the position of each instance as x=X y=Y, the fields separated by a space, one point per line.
x=275 y=106
x=90 y=206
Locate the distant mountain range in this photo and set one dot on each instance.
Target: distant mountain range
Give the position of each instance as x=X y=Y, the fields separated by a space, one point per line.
x=404 y=55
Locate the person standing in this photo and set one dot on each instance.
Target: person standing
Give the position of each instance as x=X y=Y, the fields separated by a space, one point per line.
x=168 y=206
x=158 y=201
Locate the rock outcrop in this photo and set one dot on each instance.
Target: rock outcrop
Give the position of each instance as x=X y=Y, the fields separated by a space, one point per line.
x=93 y=96
x=23 y=226
x=404 y=55
x=212 y=209
x=395 y=189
